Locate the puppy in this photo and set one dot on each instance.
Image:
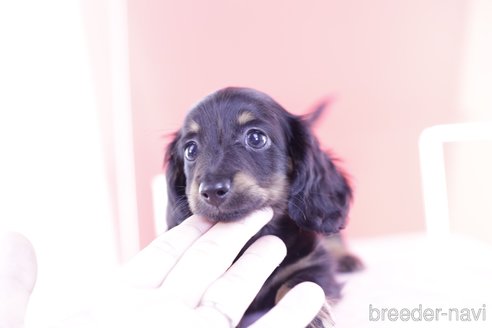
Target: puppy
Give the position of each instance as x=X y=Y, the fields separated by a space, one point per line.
x=240 y=151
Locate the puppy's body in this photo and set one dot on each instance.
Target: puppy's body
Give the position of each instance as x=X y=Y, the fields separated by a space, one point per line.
x=239 y=151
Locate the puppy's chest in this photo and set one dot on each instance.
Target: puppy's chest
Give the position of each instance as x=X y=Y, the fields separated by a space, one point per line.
x=300 y=243
x=304 y=253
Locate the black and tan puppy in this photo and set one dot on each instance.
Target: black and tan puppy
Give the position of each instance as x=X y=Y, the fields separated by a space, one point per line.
x=240 y=151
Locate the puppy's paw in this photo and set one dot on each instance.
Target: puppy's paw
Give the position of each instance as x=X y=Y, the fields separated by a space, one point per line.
x=349 y=263
x=324 y=318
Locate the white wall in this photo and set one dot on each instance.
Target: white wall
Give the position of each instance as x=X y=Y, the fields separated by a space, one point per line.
x=477 y=69
x=469 y=174
x=53 y=186
x=394 y=67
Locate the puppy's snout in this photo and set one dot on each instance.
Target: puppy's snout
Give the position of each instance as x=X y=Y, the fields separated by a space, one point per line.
x=216 y=191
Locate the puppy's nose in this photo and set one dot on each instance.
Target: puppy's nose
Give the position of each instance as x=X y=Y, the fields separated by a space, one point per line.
x=215 y=192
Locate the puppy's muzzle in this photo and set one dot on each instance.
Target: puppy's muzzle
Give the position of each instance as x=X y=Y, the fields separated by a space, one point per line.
x=215 y=191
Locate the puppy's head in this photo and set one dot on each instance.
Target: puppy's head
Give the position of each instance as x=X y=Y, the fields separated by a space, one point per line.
x=239 y=151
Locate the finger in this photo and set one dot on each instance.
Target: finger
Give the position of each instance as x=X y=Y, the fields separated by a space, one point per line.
x=149 y=267
x=18 y=270
x=236 y=289
x=296 y=309
x=211 y=255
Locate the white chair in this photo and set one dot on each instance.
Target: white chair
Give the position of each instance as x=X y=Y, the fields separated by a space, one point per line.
x=447 y=273
x=432 y=165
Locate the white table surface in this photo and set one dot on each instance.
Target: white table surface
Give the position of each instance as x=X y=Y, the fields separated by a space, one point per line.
x=408 y=271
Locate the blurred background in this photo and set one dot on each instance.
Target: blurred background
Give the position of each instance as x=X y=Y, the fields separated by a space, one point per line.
x=394 y=68
x=91 y=91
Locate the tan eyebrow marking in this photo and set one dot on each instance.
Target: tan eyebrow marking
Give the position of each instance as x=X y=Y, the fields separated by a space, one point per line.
x=245 y=117
x=194 y=127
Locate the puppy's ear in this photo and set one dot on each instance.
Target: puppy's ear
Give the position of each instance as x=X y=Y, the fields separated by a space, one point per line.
x=320 y=194
x=177 y=202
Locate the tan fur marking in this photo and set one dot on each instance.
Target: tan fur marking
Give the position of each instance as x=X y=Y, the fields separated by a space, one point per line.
x=278 y=188
x=324 y=318
x=284 y=289
x=287 y=271
x=335 y=246
x=192 y=197
x=276 y=191
x=246 y=183
x=194 y=127
x=245 y=117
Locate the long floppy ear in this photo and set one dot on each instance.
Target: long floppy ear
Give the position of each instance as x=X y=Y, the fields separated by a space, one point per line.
x=177 y=202
x=320 y=195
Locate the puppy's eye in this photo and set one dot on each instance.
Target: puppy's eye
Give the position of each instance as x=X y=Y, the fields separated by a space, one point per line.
x=256 y=139
x=191 y=151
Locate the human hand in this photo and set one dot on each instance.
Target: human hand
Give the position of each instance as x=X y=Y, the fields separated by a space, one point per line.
x=185 y=279
x=17 y=277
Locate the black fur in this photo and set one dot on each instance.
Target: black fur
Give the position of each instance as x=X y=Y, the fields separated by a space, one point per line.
x=229 y=178
x=319 y=194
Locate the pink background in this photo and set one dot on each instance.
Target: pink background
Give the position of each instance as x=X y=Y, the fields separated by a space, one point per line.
x=393 y=67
